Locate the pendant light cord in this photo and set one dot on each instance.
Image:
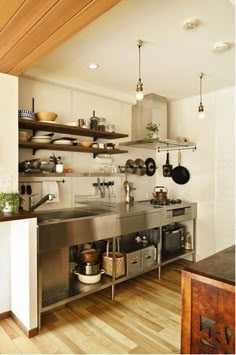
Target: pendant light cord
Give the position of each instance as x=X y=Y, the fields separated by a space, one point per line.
x=201 y=76
x=139 y=46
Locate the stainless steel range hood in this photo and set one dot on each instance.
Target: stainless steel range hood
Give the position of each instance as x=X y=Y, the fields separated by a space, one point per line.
x=153 y=108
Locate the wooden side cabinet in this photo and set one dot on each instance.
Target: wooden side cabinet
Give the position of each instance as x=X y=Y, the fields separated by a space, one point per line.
x=208 y=305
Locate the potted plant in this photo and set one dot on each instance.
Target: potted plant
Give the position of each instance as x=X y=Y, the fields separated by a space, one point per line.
x=153 y=129
x=9 y=201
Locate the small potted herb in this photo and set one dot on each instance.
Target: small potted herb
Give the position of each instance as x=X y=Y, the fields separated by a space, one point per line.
x=153 y=129
x=9 y=201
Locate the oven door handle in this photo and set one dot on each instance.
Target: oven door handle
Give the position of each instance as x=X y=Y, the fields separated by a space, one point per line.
x=175 y=231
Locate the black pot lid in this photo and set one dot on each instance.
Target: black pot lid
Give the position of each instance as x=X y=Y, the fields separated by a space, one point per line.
x=150 y=166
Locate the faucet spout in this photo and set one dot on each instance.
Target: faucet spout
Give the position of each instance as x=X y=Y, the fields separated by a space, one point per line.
x=32 y=207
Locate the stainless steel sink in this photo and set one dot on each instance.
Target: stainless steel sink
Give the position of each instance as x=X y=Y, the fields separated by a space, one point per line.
x=63 y=228
x=57 y=216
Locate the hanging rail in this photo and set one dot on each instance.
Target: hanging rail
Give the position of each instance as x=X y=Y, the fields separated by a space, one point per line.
x=34 y=182
x=169 y=149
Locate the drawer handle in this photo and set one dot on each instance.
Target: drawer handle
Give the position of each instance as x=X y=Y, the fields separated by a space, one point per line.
x=148 y=256
x=134 y=262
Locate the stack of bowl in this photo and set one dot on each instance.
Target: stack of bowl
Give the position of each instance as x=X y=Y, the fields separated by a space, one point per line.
x=23 y=136
x=26 y=114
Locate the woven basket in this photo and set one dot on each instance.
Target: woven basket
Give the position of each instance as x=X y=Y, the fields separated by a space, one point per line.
x=107 y=262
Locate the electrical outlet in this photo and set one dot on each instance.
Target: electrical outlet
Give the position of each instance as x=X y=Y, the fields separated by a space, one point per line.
x=147 y=195
x=5 y=183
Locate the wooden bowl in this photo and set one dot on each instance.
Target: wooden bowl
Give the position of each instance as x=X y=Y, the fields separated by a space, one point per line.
x=45 y=116
x=85 y=144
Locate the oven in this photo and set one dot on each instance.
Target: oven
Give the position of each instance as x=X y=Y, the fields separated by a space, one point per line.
x=172 y=240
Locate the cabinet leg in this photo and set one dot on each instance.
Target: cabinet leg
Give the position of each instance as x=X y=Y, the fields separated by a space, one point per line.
x=113 y=292
x=159 y=273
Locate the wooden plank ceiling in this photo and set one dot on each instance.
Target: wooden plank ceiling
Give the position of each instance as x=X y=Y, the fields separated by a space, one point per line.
x=30 y=29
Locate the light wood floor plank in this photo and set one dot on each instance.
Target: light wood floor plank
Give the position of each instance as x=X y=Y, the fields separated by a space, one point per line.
x=7 y=345
x=144 y=318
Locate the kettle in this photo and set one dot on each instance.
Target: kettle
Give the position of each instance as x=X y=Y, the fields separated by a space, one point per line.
x=160 y=193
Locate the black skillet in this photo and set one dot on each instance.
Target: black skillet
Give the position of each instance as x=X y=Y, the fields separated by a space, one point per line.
x=180 y=174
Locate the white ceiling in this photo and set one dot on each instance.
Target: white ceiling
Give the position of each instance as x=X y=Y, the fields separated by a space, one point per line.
x=172 y=58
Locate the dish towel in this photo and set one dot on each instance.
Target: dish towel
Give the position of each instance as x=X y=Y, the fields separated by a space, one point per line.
x=51 y=187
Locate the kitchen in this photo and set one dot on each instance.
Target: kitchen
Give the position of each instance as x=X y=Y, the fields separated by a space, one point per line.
x=212 y=181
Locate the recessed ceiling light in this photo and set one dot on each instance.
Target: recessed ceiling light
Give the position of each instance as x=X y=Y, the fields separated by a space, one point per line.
x=221 y=46
x=93 y=66
x=190 y=24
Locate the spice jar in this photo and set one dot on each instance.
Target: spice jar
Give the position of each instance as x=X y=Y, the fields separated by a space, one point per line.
x=102 y=124
x=94 y=121
x=188 y=241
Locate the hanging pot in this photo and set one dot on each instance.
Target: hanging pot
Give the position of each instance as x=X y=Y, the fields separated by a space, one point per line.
x=167 y=168
x=180 y=174
x=160 y=193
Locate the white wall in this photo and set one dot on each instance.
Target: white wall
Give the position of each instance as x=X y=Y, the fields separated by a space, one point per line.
x=211 y=166
x=8 y=172
x=5 y=289
x=225 y=169
x=24 y=271
x=71 y=104
x=9 y=129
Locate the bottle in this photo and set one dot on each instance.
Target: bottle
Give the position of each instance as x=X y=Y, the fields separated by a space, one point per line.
x=93 y=121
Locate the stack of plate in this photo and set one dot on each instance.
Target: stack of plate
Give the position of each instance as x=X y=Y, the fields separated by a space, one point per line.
x=26 y=114
x=41 y=139
x=64 y=140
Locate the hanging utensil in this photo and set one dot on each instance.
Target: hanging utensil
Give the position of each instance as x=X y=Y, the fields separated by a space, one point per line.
x=167 y=168
x=150 y=166
x=180 y=174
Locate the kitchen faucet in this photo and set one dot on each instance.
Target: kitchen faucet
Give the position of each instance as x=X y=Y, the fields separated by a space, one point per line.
x=32 y=207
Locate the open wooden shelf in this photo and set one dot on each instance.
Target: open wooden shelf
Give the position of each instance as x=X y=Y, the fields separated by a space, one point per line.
x=68 y=148
x=62 y=128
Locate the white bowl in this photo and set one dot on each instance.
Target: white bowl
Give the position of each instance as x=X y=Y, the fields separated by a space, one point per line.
x=89 y=279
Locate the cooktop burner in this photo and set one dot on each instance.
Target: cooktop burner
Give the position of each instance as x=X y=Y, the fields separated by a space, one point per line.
x=165 y=202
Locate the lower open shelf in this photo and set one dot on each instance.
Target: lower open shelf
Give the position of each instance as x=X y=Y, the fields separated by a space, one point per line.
x=60 y=296
x=169 y=259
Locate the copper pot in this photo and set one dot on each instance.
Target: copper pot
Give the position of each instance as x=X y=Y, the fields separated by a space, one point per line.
x=89 y=255
x=160 y=193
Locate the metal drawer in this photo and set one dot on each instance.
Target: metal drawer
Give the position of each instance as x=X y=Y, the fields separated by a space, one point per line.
x=134 y=262
x=148 y=257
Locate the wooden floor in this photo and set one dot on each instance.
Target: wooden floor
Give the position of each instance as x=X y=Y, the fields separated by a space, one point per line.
x=144 y=318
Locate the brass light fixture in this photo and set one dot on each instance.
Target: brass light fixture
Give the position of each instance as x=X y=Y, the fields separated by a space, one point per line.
x=201 y=113
x=139 y=86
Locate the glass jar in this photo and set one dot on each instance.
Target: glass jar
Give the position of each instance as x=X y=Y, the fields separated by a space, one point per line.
x=102 y=124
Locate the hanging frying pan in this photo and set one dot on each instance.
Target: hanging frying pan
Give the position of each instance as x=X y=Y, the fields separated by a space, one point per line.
x=167 y=168
x=150 y=166
x=180 y=174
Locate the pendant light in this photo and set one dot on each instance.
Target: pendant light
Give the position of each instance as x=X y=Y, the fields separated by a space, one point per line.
x=139 y=86
x=201 y=113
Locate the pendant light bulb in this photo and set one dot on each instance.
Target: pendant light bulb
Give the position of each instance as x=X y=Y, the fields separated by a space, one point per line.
x=201 y=113
x=139 y=86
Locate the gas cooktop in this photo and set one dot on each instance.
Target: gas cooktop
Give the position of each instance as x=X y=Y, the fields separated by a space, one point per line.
x=167 y=202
